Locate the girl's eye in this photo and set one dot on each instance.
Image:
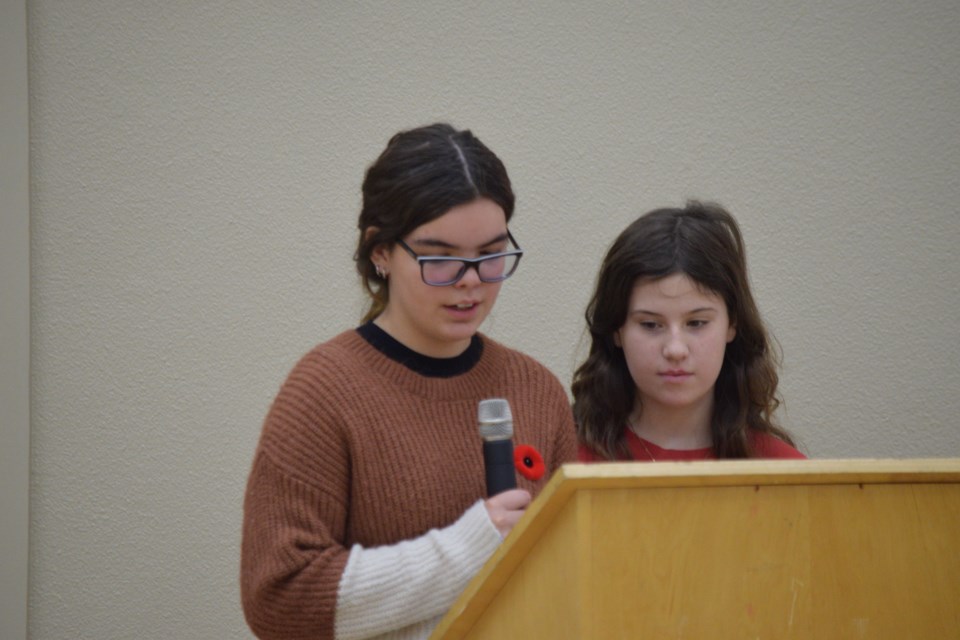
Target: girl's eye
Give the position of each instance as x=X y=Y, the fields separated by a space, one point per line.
x=696 y=324
x=648 y=324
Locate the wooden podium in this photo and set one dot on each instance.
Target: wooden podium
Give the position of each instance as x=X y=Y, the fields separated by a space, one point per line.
x=727 y=549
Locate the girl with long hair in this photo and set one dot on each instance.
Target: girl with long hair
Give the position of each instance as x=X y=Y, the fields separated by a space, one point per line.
x=681 y=366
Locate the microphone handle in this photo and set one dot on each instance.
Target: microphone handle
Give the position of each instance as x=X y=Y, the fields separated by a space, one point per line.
x=498 y=464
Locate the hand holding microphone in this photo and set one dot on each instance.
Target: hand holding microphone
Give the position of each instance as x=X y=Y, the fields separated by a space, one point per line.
x=506 y=503
x=506 y=508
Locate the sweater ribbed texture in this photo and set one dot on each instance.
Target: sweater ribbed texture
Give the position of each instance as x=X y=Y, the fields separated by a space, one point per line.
x=400 y=584
x=361 y=460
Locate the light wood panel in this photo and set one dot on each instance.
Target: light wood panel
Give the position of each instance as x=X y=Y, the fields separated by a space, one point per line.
x=808 y=549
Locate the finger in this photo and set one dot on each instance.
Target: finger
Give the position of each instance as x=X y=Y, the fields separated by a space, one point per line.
x=512 y=499
x=504 y=521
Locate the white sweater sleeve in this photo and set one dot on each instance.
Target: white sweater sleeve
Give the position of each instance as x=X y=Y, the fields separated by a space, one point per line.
x=390 y=587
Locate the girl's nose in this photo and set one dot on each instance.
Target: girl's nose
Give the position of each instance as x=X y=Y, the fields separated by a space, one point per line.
x=470 y=277
x=675 y=347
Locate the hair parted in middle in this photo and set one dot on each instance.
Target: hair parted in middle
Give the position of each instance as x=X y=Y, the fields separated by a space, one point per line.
x=702 y=241
x=421 y=175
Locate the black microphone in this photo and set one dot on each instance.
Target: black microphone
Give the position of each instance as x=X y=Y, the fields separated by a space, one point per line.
x=496 y=429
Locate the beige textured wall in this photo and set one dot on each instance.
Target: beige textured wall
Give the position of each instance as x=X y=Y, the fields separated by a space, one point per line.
x=195 y=182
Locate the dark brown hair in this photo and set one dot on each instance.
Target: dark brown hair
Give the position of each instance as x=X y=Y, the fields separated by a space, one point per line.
x=422 y=174
x=704 y=242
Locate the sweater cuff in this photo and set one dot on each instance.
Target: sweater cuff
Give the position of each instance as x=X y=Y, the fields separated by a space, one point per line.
x=390 y=587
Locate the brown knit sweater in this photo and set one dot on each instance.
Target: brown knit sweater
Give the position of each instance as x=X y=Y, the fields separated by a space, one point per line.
x=357 y=449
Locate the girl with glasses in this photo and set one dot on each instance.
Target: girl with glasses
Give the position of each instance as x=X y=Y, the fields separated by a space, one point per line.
x=680 y=366
x=365 y=512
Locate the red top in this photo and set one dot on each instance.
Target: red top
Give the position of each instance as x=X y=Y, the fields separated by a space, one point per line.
x=764 y=446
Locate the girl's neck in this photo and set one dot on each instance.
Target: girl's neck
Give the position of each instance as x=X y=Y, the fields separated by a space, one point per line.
x=425 y=345
x=680 y=428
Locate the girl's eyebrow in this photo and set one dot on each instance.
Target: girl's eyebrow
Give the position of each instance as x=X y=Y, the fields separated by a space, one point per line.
x=657 y=314
x=441 y=244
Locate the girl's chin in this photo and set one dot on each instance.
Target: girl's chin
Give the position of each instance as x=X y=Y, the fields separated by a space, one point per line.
x=461 y=332
x=460 y=329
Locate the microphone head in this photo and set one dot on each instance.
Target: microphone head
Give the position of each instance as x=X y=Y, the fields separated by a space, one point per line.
x=496 y=421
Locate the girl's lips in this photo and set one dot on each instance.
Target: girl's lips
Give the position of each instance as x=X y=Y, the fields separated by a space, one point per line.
x=463 y=310
x=675 y=376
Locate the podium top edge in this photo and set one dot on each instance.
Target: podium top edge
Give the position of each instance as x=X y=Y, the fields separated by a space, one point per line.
x=817 y=471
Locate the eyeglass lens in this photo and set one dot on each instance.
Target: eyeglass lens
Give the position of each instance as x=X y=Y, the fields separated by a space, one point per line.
x=493 y=269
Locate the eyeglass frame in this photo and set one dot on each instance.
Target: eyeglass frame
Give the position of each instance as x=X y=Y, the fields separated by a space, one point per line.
x=467 y=263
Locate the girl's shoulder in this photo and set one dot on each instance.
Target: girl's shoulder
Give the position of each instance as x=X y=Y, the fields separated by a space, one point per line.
x=508 y=356
x=768 y=446
x=344 y=349
x=586 y=454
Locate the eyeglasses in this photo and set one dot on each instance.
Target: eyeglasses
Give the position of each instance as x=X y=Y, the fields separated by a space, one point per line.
x=441 y=271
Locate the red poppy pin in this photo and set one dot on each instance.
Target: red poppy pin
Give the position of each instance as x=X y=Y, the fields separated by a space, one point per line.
x=528 y=462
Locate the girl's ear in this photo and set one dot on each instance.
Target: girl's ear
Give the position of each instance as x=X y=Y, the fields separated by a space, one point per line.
x=731 y=333
x=616 y=339
x=380 y=253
